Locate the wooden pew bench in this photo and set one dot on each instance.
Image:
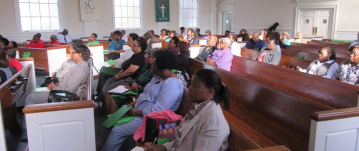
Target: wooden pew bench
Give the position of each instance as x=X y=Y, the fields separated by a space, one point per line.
x=282 y=117
x=48 y=59
x=10 y=96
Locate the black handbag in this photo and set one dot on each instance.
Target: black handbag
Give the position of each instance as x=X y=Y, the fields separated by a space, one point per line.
x=61 y=96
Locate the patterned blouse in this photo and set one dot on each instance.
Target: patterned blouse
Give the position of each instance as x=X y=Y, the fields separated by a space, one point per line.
x=348 y=73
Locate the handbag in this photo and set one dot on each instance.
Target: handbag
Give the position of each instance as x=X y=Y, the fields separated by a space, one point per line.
x=164 y=130
x=61 y=96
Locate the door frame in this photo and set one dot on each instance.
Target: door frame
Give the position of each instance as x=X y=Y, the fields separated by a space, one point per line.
x=317 y=5
x=221 y=8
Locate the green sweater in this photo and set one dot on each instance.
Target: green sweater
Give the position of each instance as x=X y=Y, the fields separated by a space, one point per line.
x=92 y=43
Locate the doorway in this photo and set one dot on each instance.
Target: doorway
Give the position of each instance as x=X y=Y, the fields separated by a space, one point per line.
x=316 y=22
x=227 y=22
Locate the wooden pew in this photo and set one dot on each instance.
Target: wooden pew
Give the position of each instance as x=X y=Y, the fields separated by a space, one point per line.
x=31 y=82
x=334 y=130
x=69 y=124
x=319 y=89
x=310 y=52
x=61 y=126
x=9 y=98
x=48 y=59
x=262 y=115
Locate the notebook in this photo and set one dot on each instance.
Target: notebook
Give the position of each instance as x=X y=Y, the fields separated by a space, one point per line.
x=26 y=55
x=119 y=90
x=116 y=116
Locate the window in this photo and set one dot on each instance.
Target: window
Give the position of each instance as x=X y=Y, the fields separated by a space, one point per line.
x=39 y=15
x=188 y=13
x=127 y=13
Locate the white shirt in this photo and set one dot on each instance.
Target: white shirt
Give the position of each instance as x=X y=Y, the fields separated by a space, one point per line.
x=65 y=39
x=125 y=38
x=236 y=49
x=124 y=56
x=331 y=70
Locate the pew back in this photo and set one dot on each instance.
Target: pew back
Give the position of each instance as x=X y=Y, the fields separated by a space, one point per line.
x=278 y=115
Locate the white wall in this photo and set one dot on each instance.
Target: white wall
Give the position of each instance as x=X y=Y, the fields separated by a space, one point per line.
x=252 y=15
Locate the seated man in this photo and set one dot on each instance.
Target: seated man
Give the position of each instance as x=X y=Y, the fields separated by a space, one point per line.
x=3 y=43
x=235 y=47
x=325 y=66
x=36 y=42
x=255 y=43
x=209 y=49
x=222 y=58
x=115 y=45
x=93 y=40
x=355 y=42
x=64 y=36
x=124 y=37
x=272 y=54
x=15 y=65
x=73 y=81
x=53 y=40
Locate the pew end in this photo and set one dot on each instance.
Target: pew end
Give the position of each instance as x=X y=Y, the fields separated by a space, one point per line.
x=61 y=126
x=334 y=130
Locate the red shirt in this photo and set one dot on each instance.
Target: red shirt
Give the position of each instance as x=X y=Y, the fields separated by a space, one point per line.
x=54 y=43
x=39 y=44
x=16 y=64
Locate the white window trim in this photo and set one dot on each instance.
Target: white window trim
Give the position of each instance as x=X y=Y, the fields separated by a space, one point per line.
x=114 y=17
x=179 y=14
x=18 y=21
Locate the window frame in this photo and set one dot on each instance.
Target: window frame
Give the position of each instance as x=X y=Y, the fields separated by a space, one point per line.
x=179 y=15
x=114 y=17
x=19 y=24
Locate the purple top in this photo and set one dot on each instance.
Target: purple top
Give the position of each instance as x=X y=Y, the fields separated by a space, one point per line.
x=223 y=58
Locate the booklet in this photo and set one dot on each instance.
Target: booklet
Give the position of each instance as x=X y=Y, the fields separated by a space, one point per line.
x=116 y=116
x=119 y=90
x=41 y=89
x=111 y=62
x=26 y=55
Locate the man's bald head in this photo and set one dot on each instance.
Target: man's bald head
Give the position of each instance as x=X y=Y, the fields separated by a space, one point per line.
x=212 y=40
x=255 y=36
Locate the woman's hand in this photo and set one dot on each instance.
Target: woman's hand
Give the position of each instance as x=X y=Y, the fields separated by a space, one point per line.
x=134 y=101
x=135 y=87
x=154 y=147
x=117 y=76
x=51 y=86
x=112 y=66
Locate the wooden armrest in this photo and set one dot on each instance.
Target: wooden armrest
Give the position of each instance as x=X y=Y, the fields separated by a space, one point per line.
x=274 y=148
x=49 y=107
x=25 y=59
x=335 y=114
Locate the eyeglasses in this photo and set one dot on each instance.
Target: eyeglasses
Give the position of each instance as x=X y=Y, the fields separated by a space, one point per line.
x=353 y=54
x=133 y=45
x=147 y=55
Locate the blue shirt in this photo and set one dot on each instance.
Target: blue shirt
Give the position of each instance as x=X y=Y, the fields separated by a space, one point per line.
x=65 y=39
x=160 y=95
x=116 y=44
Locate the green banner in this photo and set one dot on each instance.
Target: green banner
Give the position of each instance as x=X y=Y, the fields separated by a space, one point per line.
x=162 y=10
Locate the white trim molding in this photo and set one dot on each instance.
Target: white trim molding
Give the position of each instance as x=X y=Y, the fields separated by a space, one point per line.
x=306 y=4
x=346 y=35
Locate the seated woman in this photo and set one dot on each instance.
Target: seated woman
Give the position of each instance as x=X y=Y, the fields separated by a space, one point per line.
x=207 y=128
x=164 y=34
x=285 y=38
x=73 y=81
x=65 y=67
x=192 y=37
x=93 y=40
x=222 y=58
x=300 y=38
x=325 y=66
x=348 y=70
x=243 y=33
x=173 y=45
x=272 y=53
x=13 y=45
x=131 y=68
x=103 y=77
x=137 y=85
x=15 y=65
x=164 y=91
x=36 y=42
x=5 y=72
